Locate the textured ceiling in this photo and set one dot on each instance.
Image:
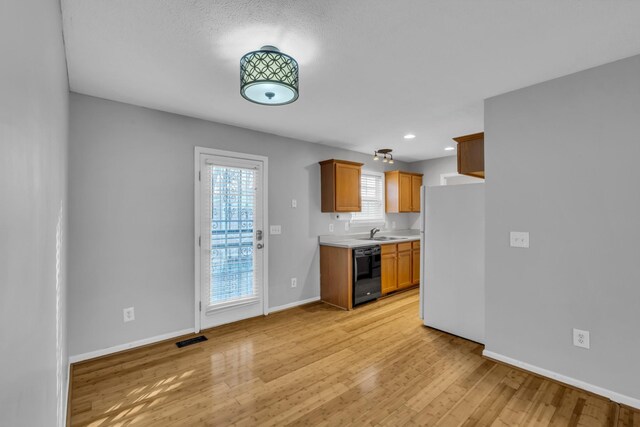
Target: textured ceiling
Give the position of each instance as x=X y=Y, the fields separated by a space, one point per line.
x=371 y=70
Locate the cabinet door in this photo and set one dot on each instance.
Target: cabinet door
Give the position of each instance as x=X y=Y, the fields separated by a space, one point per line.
x=404 y=269
x=471 y=155
x=415 y=266
x=416 y=182
x=405 y=193
x=347 y=188
x=388 y=273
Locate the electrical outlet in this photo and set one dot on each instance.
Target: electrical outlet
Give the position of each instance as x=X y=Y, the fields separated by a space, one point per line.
x=581 y=338
x=294 y=282
x=393 y=225
x=294 y=203
x=346 y=226
x=519 y=239
x=275 y=229
x=128 y=314
x=331 y=228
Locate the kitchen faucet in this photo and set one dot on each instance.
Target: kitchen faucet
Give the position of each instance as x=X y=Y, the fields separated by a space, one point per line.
x=373 y=232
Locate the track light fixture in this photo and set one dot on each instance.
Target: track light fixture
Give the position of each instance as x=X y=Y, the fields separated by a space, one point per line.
x=387 y=157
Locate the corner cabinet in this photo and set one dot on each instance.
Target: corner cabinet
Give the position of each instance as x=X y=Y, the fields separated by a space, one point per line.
x=340 y=181
x=471 y=155
x=402 y=191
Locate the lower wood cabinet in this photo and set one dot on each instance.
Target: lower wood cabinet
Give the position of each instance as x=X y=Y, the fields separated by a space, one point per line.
x=336 y=278
x=404 y=265
x=389 y=268
x=415 y=269
x=400 y=266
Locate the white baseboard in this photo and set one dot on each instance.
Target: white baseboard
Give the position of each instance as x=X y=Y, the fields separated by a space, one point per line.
x=115 y=349
x=616 y=397
x=118 y=348
x=293 y=304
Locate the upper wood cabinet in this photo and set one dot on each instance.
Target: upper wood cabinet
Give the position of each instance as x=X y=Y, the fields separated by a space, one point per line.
x=340 y=189
x=471 y=154
x=402 y=191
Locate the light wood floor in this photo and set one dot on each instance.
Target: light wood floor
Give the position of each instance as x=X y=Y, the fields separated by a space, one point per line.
x=316 y=365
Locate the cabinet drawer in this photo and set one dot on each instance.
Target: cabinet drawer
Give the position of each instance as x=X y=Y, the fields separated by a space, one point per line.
x=416 y=244
x=404 y=247
x=388 y=249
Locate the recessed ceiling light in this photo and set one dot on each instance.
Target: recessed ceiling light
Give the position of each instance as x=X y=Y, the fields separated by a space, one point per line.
x=409 y=136
x=449 y=148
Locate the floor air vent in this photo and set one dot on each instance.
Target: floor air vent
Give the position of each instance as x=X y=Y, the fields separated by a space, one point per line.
x=190 y=341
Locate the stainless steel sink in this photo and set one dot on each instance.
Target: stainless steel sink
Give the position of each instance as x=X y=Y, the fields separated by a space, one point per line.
x=383 y=238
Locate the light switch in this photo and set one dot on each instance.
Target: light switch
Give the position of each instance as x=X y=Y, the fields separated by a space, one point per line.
x=294 y=203
x=519 y=239
x=275 y=229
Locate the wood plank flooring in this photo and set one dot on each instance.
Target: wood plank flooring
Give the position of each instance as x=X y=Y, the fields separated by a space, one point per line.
x=317 y=365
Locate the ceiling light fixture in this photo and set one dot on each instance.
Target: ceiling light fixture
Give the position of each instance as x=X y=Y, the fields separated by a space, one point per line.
x=269 y=77
x=449 y=148
x=387 y=157
x=409 y=136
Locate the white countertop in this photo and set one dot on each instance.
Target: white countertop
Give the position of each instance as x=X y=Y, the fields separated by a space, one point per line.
x=355 y=240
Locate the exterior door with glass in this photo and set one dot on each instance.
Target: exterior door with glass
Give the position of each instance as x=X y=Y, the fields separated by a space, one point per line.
x=231 y=241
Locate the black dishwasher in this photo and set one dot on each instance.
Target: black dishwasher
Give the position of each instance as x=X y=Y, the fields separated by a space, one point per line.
x=366 y=274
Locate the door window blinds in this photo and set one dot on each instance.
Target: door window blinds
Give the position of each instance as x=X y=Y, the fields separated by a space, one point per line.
x=372 y=196
x=231 y=210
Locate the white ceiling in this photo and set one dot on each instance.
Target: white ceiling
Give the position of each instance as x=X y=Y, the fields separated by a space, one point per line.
x=370 y=70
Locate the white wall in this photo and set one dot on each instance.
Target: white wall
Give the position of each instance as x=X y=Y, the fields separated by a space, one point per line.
x=547 y=148
x=454 y=260
x=131 y=217
x=33 y=214
x=431 y=170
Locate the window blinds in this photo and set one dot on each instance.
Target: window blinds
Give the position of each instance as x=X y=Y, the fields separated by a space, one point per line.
x=231 y=211
x=372 y=196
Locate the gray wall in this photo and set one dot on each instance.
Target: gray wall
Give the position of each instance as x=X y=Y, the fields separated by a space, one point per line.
x=433 y=168
x=131 y=217
x=33 y=212
x=546 y=150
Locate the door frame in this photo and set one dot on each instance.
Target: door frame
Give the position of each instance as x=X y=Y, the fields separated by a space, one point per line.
x=196 y=225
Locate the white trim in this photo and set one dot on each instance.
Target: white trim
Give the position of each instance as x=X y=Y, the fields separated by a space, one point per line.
x=65 y=406
x=293 y=304
x=444 y=176
x=118 y=348
x=196 y=221
x=232 y=304
x=616 y=397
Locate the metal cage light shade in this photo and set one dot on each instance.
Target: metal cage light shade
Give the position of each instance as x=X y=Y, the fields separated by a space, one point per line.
x=269 y=77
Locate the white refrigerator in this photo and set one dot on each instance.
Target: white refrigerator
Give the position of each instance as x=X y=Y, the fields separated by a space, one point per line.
x=452 y=259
